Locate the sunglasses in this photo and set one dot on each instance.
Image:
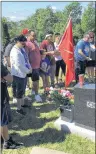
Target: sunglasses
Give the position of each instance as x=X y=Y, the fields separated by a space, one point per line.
x=91 y=37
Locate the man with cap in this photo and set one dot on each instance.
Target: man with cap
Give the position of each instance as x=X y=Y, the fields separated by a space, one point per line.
x=48 y=46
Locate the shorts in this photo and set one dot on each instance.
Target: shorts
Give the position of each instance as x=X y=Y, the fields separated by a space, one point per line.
x=91 y=63
x=80 y=67
x=5 y=114
x=18 y=86
x=35 y=74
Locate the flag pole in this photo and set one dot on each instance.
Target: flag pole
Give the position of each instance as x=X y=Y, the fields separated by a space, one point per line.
x=66 y=25
x=65 y=76
x=62 y=38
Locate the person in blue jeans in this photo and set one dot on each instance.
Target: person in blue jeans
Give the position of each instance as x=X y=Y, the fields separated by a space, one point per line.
x=45 y=70
x=81 y=55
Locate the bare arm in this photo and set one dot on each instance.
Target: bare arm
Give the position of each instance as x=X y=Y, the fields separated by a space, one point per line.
x=8 y=78
x=8 y=60
x=50 y=52
x=5 y=74
x=81 y=53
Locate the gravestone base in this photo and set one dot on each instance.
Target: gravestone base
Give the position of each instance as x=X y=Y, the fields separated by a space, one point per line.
x=67 y=113
x=68 y=127
x=38 y=150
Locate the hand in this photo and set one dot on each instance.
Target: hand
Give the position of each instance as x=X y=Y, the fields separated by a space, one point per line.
x=57 y=53
x=92 y=46
x=30 y=71
x=88 y=58
x=52 y=52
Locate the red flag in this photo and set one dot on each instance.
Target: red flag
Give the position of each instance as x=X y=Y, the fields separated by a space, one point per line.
x=66 y=48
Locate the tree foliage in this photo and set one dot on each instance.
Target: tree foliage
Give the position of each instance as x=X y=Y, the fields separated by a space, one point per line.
x=44 y=20
x=88 y=18
x=5 y=33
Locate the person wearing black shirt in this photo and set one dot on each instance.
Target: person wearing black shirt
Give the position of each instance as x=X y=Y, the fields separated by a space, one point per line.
x=5 y=110
x=91 y=65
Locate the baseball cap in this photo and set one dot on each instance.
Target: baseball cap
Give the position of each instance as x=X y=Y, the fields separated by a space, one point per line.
x=25 y=31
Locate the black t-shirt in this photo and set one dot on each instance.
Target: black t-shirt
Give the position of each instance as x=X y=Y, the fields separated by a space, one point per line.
x=4 y=92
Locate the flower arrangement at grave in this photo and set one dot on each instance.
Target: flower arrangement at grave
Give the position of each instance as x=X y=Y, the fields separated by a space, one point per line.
x=61 y=96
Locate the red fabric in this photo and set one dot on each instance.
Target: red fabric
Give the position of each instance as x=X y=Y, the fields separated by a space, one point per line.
x=66 y=48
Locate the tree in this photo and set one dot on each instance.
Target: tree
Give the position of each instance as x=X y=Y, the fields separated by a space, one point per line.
x=5 y=33
x=88 y=18
x=50 y=20
x=77 y=31
x=44 y=20
x=75 y=9
x=60 y=24
x=13 y=28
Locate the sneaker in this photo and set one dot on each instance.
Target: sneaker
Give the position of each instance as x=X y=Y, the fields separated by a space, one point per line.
x=14 y=100
x=27 y=89
x=10 y=144
x=52 y=85
x=60 y=80
x=33 y=93
x=38 y=98
x=28 y=98
x=56 y=85
x=21 y=112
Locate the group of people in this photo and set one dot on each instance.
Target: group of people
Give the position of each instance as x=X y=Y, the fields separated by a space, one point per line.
x=26 y=58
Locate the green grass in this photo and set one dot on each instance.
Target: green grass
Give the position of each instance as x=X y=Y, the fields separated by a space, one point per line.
x=37 y=129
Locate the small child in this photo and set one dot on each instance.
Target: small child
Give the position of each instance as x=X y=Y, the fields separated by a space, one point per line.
x=45 y=70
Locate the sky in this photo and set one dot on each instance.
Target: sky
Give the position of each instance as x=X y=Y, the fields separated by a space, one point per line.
x=16 y=11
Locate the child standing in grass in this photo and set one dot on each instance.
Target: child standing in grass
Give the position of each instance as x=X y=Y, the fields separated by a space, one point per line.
x=45 y=70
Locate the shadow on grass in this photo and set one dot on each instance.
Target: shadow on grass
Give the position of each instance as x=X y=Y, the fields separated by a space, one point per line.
x=32 y=119
x=49 y=135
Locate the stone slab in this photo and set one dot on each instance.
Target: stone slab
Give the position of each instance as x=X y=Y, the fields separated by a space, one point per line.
x=39 y=150
x=72 y=128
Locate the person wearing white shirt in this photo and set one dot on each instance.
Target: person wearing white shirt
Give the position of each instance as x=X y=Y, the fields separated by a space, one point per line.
x=20 y=67
x=59 y=61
